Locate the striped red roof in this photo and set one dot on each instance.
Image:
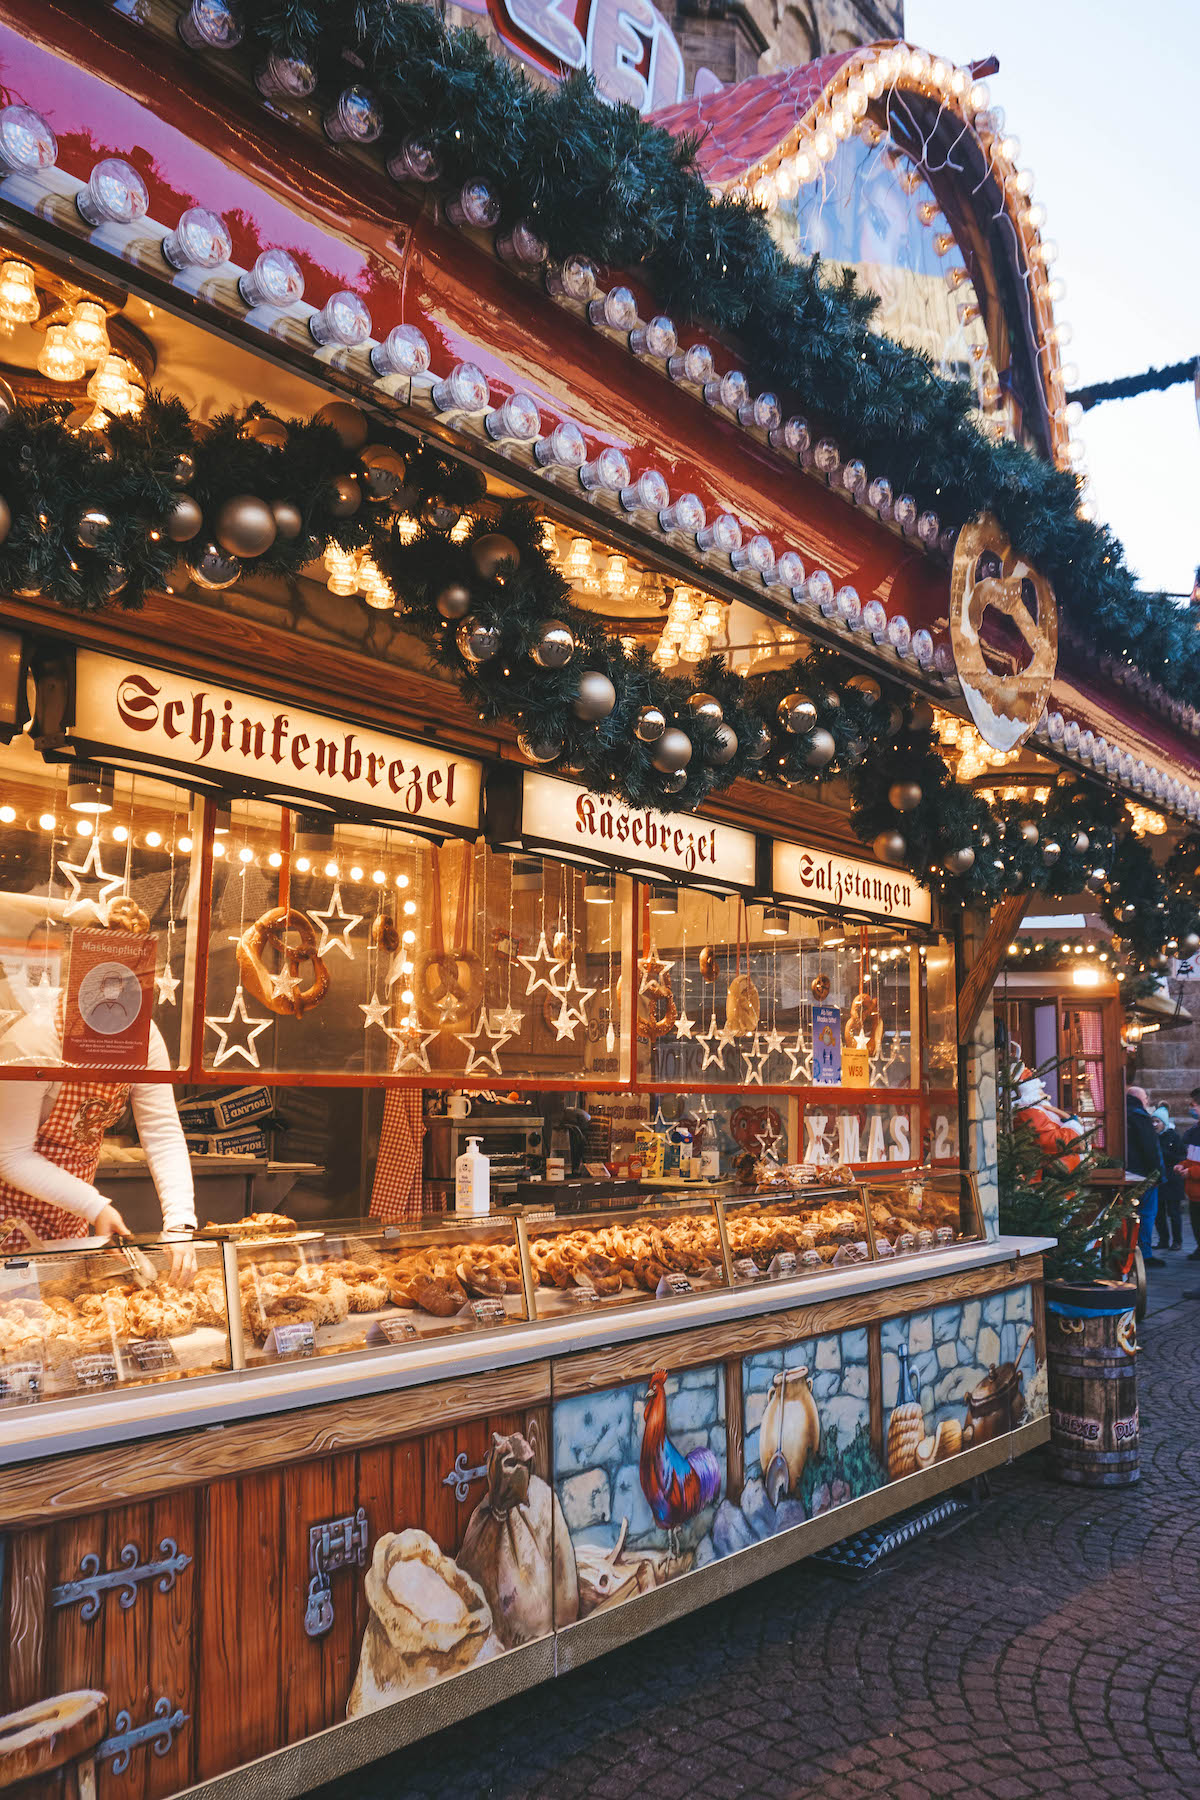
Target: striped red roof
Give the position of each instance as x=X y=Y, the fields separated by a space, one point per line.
x=740 y=125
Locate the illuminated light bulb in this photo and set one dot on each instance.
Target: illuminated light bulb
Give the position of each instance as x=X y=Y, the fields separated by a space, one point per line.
x=245 y=854
x=873 y=79
x=409 y=937
x=153 y=839
x=285 y=78
x=47 y=821
x=730 y=390
x=276 y=281
x=354 y=118
x=460 y=532
x=1044 y=252
x=201 y=240
x=1068 y=374
x=616 y=575
x=378 y=877
x=109 y=386
x=649 y=493
x=785 y=179
x=84 y=827
x=918 y=64
x=404 y=351
x=410 y=907
x=841 y=119
x=608 y=472
x=303 y=864
x=416 y=160
x=572 y=279
x=7 y=815
x=58 y=358
x=712 y=618
x=474 y=204
x=806 y=164
x=1034 y=217
x=27 y=144
x=658 y=338
x=682 y=609
x=939 y=73
x=521 y=246
x=115 y=194
x=406 y=966
x=331 y=869
x=1056 y=290
x=848 y=606
x=406 y=998
x=185 y=843
x=563 y=448
x=1023 y=182
x=343 y=320
x=577 y=565
x=210 y=25
x=517 y=418
x=695 y=365
x=407 y=529
x=694 y=644
x=927 y=211
x=19 y=303
x=765 y=194
x=275 y=860
x=943 y=243
x=978 y=97
x=684 y=514
x=824 y=144
x=218 y=849
x=88 y=332
x=402 y=881
x=464 y=390
x=723 y=534
x=617 y=310
x=1060 y=334
x=356 y=873
x=756 y=554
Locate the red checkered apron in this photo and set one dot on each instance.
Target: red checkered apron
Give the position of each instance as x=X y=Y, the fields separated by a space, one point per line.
x=70 y=1137
x=396 y=1190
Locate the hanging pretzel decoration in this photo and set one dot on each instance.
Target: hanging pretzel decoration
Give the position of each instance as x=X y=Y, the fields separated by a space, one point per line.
x=988 y=576
x=282 y=993
x=743 y=1008
x=450 y=982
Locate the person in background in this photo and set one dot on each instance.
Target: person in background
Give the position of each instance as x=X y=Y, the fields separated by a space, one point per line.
x=1190 y=1170
x=1170 y=1194
x=1144 y=1158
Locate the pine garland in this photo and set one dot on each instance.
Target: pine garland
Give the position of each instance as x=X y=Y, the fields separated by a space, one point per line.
x=599 y=180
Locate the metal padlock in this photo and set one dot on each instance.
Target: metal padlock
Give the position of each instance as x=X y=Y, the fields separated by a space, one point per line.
x=318 y=1614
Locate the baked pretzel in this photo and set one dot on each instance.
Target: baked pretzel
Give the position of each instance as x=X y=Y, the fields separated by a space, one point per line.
x=124 y=914
x=272 y=928
x=385 y=933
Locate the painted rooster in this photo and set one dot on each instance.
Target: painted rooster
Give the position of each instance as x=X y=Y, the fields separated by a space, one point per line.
x=676 y=1486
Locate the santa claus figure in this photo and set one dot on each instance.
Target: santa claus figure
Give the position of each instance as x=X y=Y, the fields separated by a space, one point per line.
x=1054 y=1129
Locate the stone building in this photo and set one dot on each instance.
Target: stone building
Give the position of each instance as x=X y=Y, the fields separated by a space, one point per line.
x=1168 y=1062
x=738 y=38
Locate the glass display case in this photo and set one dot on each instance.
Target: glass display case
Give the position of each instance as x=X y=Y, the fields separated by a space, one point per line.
x=322 y=1291
x=798 y=1231
x=623 y=1258
x=917 y=1210
x=100 y=1317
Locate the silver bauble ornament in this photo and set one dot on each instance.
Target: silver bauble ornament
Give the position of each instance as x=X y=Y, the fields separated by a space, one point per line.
x=1081 y=843
x=650 y=724
x=1029 y=832
x=213 y=567
x=905 y=796
x=349 y=423
x=184 y=520
x=1051 y=853
x=116 y=578
x=831 y=700
x=1097 y=879
x=5 y=519
x=959 y=862
x=865 y=685
x=758 y=744
x=796 y=713
x=454 y=601
x=1160 y=962
x=538 y=750
x=477 y=642
x=245 y=526
x=706 y=706
x=94 y=526
x=182 y=469
x=555 y=645
x=920 y=716
x=1189 y=943
x=438 y=514
x=890 y=847
x=673 y=751
x=384 y=470
x=893 y=719
x=8 y=405
x=289 y=520
x=343 y=496
x=263 y=429
x=723 y=748
x=491 y=552
x=820 y=748
x=596 y=697
x=675 y=782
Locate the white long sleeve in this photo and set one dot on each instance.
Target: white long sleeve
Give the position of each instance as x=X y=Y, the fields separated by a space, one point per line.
x=24 y=1104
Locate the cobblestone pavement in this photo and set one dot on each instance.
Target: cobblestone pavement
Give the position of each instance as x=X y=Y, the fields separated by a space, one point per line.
x=1051 y=1645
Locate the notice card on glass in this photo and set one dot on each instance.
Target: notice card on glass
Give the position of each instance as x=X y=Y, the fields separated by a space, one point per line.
x=827 y=1046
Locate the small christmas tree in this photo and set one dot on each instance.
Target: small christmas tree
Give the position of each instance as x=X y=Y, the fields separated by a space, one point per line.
x=1047 y=1192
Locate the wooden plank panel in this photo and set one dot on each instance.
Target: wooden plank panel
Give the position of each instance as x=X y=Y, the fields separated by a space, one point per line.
x=126 y=1678
x=23 y=1677
x=875 y=1385
x=619 y=1363
x=174 y=1621
x=75 y=1656
x=735 y=1431
x=981 y=977
x=66 y=1486
x=238 y=1701
x=318 y=1671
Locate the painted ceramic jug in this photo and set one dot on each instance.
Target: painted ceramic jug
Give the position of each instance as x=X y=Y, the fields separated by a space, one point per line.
x=789 y=1434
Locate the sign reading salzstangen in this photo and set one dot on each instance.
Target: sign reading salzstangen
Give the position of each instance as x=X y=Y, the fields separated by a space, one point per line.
x=268 y=746
x=846 y=884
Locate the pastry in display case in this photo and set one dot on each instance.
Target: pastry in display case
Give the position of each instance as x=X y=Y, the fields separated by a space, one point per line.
x=623 y=1257
x=306 y=1291
x=110 y=1315
x=777 y=1236
x=922 y=1209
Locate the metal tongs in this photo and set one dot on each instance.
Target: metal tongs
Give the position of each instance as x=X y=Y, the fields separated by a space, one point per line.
x=140 y=1267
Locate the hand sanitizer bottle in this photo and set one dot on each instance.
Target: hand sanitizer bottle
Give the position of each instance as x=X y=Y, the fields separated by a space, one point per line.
x=472 y=1181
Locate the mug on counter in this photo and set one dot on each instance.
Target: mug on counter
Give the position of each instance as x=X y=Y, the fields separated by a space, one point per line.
x=457 y=1106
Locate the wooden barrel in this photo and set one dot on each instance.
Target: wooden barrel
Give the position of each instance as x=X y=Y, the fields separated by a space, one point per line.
x=1091 y=1359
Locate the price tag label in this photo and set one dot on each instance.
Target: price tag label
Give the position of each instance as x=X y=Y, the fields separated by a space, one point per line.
x=21 y=1383
x=488 y=1312
x=906 y=1243
x=149 y=1356
x=288 y=1343
x=782 y=1265
x=944 y=1234
x=391 y=1331
x=746 y=1269
x=582 y=1294
x=98 y=1371
x=672 y=1283
x=545 y=1215
x=811 y=1259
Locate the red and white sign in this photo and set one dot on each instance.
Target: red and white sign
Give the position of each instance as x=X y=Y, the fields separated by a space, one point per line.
x=601 y=828
x=627 y=44
x=110 y=996
x=268 y=746
x=844 y=884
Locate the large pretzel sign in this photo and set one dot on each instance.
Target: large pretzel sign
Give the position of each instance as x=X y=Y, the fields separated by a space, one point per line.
x=1005 y=702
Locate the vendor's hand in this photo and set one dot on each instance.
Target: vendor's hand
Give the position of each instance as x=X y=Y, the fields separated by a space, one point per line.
x=182 y=1271
x=109 y=1223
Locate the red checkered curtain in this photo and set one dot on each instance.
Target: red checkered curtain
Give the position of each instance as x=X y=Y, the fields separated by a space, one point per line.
x=396 y=1190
